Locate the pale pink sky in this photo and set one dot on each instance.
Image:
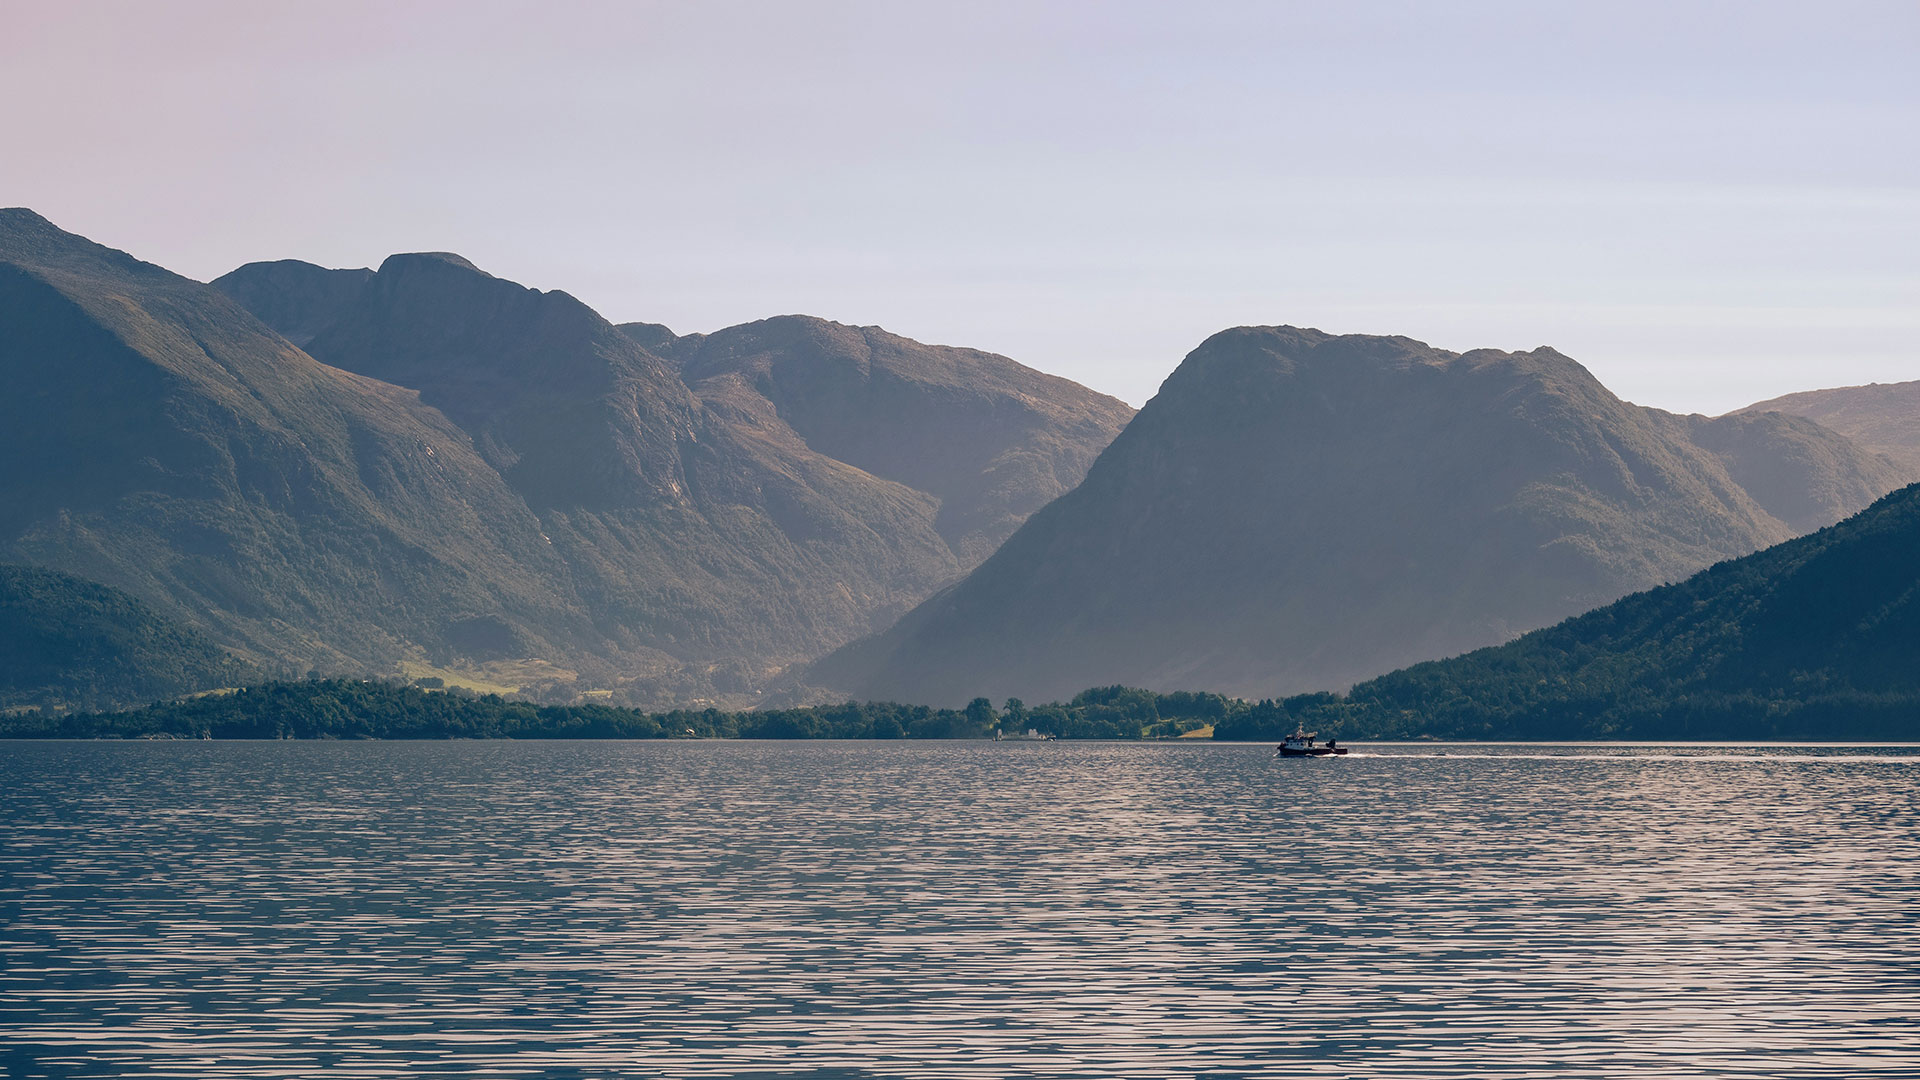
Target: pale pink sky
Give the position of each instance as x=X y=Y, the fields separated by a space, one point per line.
x=1706 y=203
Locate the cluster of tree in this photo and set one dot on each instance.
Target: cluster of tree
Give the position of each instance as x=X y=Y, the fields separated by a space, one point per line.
x=350 y=709
x=1818 y=637
x=69 y=643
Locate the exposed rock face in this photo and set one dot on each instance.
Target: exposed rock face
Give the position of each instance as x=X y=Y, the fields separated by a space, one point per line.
x=1295 y=511
x=1881 y=417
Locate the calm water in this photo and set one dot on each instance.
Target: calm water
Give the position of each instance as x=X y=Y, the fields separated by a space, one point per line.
x=956 y=910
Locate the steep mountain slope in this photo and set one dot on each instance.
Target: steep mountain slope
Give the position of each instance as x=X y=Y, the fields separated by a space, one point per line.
x=161 y=440
x=1813 y=638
x=73 y=644
x=695 y=519
x=1295 y=511
x=1881 y=417
x=992 y=440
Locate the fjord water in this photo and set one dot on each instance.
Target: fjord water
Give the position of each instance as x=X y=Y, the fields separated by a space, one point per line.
x=957 y=910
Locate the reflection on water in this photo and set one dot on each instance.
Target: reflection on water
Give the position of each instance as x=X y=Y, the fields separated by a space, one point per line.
x=956 y=910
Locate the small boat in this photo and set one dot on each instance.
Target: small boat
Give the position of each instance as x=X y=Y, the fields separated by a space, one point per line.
x=1301 y=744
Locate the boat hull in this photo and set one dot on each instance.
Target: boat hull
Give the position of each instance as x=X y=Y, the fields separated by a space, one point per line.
x=1317 y=751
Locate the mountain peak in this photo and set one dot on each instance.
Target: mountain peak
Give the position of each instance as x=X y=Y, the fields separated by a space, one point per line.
x=26 y=236
x=407 y=260
x=23 y=218
x=1295 y=510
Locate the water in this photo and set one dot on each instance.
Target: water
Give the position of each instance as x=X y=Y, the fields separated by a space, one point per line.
x=956 y=910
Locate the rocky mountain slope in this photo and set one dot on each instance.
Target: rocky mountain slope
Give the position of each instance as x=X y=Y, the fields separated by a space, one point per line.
x=1881 y=417
x=1295 y=511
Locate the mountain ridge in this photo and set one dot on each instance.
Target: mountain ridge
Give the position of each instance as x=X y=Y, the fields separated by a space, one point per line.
x=1882 y=417
x=1297 y=510
x=689 y=510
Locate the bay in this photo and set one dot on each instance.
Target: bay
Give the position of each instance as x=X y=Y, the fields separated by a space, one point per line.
x=957 y=910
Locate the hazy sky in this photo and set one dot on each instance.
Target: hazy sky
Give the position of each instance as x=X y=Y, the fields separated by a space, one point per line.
x=1706 y=203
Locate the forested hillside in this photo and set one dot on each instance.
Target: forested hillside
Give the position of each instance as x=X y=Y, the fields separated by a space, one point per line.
x=66 y=643
x=1818 y=637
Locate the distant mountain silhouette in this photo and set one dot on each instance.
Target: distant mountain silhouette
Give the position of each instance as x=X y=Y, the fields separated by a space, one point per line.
x=1814 y=638
x=1295 y=511
x=1881 y=417
x=66 y=643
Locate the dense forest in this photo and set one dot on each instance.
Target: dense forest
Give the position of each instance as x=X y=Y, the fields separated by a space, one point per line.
x=350 y=709
x=1818 y=637
x=66 y=643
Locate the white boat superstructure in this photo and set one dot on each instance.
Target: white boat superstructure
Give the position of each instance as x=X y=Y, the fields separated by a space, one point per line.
x=1301 y=744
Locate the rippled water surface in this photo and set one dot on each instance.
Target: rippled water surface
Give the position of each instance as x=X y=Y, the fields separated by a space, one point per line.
x=956 y=910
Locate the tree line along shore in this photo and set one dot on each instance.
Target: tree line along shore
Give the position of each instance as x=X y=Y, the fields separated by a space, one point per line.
x=354 y=709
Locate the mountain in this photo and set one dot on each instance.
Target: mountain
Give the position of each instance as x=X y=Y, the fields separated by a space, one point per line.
x=66 y=643
x=991 y=439
x=1295 y=511
x=1813 y=638
x=456 y=470
x=161 y=440
x=746 y=498
x=1881 y=417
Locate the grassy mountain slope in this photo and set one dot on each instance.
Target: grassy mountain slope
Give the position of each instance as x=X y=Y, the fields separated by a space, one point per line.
x=161 y=440
x=1882 y=417
x=1818 y=637
x=66 y=643
x=701 y=505
x=1296 y=511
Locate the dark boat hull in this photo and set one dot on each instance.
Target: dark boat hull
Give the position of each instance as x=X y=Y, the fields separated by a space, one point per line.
x=1318 y=751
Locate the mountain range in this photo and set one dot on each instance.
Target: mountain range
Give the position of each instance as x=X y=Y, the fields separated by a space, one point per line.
x=1295 y=511
x=438 y=466
x=429 y=470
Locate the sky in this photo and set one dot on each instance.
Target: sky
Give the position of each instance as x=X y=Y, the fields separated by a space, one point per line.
x=1706 y=203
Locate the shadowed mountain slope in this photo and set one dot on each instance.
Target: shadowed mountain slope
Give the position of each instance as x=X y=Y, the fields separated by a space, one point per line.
x=1881 y=417
x=1295 y=511
x=1813 y=638
x=161 y=440
x=66 y=643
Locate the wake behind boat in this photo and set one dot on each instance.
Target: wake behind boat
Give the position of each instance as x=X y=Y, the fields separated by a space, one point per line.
x=1301 y=744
